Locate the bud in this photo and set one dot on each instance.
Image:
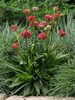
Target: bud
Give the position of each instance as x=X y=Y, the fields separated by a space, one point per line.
x=46 y=54
x=35 y=8
x=57 y=15
x=15 y=45
x=26 y=11
x=32 y=47
x=14 y=27
x=48 y=27
x=55 y=9
x=53 y=23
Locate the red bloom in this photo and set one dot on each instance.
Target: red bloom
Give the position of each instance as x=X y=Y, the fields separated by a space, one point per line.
x=14 y=27
x=57 y=15
x=49 y=17
x=42 y=24
x=42 y=36
x=62 y=33
x=25 y=34
x=31 y=18
x=15 y=45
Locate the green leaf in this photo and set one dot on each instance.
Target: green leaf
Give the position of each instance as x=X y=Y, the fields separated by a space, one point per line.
x=26 y=91
x=38 y=57
x=14 y=68
x=16 y=82
x=30 y=65
x=25 y=76
x=61 y=56
x=37 y=87
x=17 y=90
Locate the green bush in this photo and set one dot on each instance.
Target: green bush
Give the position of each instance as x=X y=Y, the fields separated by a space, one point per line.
x=65 y=80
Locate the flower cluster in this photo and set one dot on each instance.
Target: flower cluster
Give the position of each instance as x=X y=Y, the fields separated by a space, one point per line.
x=42 y=27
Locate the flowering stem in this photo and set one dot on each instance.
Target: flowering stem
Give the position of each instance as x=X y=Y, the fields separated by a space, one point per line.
x=19 y=48
x=43 y=44
x=27 y=51
x=26 y=21
x=34 y=39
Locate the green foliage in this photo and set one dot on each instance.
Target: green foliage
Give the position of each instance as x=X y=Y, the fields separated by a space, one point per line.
x=4 y=49
x=68 y=23
x=65 y=80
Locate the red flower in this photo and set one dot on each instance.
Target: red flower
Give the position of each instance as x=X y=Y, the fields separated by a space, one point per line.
x=42 y=24
x=49 y=17
x=42 y=36
x=35 y=23
x=15 y=45
x=25 y=34
x=31 y=18
x=62 y=33
x=57 y=15
x=14 y=27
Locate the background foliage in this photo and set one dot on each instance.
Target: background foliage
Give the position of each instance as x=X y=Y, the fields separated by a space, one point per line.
x=12 y=9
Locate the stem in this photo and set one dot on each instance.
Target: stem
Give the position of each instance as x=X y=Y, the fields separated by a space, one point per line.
x=26 y=21
x=19 y=48
x=27 y=51
x=34 y=39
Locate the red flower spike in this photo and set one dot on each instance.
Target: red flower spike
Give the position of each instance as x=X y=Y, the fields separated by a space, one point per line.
x=62 y=33
x=31 y=18
x=42 y=36
x=36 y=23
x=49 y=17
x=15 y=45
x=25 y=34
x=14 y=27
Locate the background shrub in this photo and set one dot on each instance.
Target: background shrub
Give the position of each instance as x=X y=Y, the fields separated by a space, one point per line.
x=11 y=10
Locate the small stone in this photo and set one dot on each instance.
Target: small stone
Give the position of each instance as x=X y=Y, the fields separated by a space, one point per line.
x=16 y=98
x=2 y=97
